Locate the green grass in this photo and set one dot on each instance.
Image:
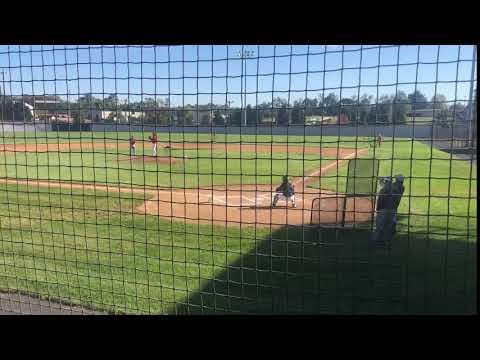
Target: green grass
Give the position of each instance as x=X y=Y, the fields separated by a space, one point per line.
x=89 y=248
x=201 y=168
x=122 y=137
x=437 y=190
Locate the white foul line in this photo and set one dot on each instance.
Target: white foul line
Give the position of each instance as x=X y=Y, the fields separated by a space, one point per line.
x=249 y=200
x=214 y=198
x=325 y=168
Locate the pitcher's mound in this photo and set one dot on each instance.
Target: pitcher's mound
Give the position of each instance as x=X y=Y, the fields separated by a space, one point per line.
x=151 y=159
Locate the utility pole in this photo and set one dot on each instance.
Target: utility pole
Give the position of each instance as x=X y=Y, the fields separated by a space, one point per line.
x=245 y=54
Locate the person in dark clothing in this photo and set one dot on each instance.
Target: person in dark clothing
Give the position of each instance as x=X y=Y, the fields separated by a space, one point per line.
x=286 y=190
x=384 y=213
x=384 y=199
x=379 y=140
x=397 y=192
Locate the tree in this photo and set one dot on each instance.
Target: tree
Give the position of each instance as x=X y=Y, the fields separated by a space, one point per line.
x=280 y=109
x=89 y=106
x=330 y=104
x=265 y=111
x=150 y=103
x=150 y=107
x=298 y=113
x=218 y=119
x=179 y=116
x=151 y=116
x=236 y=117
x=384 y=110
x=348 y=107
x=456 y=108
x=183 y=117
x=205 y=120
x=251 y=115
x=77 y=122
x=188 y=117
x=88 y=100
x=111 y=102
x=365 y=108
x=417 y=100
x=310 y=106
x=14 y=110
x=400 y=108
x=439 y=101
x=282 y=116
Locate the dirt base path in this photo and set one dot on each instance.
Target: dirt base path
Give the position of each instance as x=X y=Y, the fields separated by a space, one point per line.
x=333 y=152
x=227 y=147
x=63 y=147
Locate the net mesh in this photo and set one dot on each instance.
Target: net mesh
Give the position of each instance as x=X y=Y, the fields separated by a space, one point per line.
x=141 y=179
x=341 y=211
x=362 y=177
x=357 y=204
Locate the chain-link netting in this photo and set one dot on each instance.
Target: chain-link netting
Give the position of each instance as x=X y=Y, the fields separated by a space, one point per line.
x=238 y=179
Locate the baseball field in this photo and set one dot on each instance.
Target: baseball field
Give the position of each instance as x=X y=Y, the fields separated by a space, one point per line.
x=192 y=230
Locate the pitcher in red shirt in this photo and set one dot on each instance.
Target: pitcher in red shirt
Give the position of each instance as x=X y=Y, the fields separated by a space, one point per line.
x=153 y=139
x=132 y=146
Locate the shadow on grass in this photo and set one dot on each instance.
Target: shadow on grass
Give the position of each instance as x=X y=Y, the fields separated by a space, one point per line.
x=335 y=271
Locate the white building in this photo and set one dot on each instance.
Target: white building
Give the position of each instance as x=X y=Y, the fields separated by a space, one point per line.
x=121 y=116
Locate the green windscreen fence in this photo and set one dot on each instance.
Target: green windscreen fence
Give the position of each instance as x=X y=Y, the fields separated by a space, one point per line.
x=362 y=177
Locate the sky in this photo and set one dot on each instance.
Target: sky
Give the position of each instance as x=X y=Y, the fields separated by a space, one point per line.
x=192 y=74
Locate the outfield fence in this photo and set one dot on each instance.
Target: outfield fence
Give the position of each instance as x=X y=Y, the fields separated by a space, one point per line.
x=398 y=131
x=185 y=180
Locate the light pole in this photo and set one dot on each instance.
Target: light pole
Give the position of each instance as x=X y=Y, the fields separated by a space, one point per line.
x=3 y=82
x=229 y=117
x=470 y=99
x=3 y=93
x=245 y=54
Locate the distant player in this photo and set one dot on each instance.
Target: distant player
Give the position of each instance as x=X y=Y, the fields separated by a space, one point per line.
x=285 y=190
x=132 y=146
x=379 y=140
x=154 y=140
x=213 y=137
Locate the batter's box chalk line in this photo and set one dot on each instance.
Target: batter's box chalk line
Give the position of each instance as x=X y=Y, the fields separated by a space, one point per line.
x=242 y=200
x=232 y=200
